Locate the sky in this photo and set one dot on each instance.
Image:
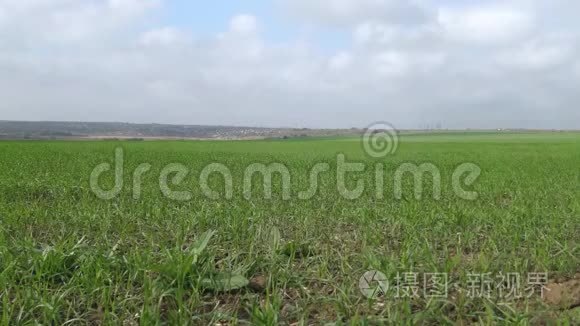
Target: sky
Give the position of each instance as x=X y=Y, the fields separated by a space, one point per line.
x=293 y=63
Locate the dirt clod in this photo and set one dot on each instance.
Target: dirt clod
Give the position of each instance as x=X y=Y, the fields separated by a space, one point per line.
x=258 y=283
x=565 y=295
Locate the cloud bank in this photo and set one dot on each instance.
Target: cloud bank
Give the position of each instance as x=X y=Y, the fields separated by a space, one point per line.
x=415 y=63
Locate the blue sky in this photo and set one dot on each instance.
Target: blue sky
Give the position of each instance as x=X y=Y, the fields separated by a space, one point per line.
x=204 y=18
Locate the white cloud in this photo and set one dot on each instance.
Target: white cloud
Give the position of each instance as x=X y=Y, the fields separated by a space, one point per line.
x=163 y=36
x=492 y=24
x=536 y=55
x=390 y=63
x=171 y=91
x=340 y=61
x=132 y=7
x=29 y=21
x=244 y=24
x=353 y=12
x=369 y=32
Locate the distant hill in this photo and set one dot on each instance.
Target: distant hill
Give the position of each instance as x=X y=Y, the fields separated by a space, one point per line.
x=88 y=130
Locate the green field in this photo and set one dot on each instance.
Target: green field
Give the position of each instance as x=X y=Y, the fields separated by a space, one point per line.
x=67 y=256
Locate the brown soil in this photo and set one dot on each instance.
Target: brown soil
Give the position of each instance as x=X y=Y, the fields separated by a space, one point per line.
x=565 y=295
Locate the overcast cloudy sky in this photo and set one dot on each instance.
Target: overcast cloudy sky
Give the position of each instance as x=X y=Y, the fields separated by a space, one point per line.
x=311 y=63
